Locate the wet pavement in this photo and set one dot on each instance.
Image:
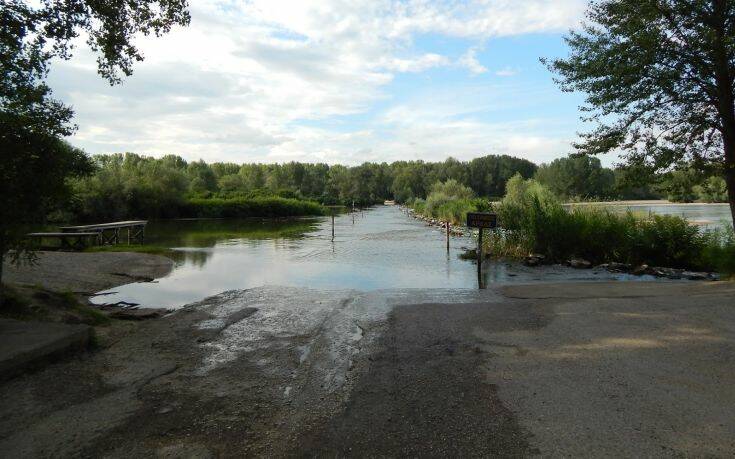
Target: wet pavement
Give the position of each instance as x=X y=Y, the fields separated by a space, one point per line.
x=580 y=369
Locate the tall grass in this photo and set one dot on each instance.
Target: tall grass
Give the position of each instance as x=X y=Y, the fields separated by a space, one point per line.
x=533 y=220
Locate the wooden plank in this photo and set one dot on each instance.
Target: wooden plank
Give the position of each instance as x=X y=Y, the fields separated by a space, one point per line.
x=103 y=226
x=60 y=235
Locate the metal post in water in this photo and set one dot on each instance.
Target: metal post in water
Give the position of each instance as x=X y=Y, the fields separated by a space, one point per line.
x=447 y=227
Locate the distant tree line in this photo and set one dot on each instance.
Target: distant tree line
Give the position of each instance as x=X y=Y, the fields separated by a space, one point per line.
x=131 y=185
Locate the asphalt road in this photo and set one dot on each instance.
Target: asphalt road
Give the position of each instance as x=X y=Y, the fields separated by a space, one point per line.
x=589 y=369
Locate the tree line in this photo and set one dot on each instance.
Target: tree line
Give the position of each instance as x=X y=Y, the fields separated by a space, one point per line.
x=131 y=185
x=134 y=186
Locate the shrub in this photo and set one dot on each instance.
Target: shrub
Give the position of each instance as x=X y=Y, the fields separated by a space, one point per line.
x=255 y=207
x=532 y=220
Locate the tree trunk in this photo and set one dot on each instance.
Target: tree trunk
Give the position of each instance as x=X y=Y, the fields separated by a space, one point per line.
x=725 y=98
x=730 y=181
x=2 y=260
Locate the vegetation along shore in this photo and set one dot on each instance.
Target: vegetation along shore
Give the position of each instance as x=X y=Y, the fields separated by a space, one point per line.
x=534 y=222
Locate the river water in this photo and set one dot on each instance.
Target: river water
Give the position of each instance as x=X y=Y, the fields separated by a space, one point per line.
x=708 y=216
x=382 y=249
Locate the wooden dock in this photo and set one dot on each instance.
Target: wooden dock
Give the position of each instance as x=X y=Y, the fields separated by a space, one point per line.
x=79 y=237
x=109 y=233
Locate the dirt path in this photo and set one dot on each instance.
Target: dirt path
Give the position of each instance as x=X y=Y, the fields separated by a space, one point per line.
x=618 y=369
x=87 y=273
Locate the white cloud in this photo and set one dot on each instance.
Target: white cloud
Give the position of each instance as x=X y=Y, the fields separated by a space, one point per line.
x=469 y=61
x=252 y=80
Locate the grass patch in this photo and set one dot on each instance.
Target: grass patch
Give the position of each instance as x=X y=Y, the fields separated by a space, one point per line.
x=36 y=303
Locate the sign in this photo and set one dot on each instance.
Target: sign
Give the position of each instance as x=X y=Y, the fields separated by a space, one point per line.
x=482 y=220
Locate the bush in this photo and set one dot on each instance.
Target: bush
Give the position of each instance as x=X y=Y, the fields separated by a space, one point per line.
x=256 y=207
x=533 y=220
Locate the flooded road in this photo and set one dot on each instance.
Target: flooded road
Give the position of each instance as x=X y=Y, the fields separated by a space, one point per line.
x=382 y=249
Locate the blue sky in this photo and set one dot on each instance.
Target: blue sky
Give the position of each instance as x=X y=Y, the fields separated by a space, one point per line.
x=339 y=82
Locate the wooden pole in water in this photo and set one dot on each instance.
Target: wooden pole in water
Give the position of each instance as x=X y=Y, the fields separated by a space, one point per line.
x=447 y=228
x=332 y=226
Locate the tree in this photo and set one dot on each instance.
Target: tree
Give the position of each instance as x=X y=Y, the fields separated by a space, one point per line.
x=35 y=162
x=577 y=176
x=660 y=78
x=33 y=178
x=713 y=189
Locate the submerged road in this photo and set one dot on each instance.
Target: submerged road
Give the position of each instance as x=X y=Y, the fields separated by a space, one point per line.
x=582 y=369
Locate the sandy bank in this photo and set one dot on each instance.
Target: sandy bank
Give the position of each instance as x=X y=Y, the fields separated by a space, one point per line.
x=87 y=273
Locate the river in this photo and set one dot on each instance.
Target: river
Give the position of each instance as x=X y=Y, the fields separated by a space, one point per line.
x=382 y=249
x=708 y=216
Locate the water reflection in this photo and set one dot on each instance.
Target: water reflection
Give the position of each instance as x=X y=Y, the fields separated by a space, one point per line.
x=383 y=249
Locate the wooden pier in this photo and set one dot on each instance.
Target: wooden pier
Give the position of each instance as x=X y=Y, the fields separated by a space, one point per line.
x=109 y=233
x=79 y=237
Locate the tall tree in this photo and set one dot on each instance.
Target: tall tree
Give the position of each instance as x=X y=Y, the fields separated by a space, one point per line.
x=35 y=163
x=659 y=77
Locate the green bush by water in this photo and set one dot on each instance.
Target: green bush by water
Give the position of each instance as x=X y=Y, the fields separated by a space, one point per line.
x=256 y=207
x=533 y=220
x=449 y=201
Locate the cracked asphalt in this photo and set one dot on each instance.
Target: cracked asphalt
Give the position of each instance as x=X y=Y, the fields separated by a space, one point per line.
x=567 y=369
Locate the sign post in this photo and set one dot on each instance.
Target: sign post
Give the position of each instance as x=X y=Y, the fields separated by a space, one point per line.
x=481 y=220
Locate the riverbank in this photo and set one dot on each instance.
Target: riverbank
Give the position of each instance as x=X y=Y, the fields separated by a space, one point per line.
x=572 y=369
x=87 y=273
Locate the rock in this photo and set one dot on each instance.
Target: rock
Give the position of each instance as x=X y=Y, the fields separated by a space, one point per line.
x=714 y=276
x=670 y=273
x=693 y=275
x=534 y=259
x=640 y=270
x=580 y=263
x=618 y=267
x=138 y=314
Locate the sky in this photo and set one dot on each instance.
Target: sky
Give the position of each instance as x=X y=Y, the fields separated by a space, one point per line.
x=337 y=81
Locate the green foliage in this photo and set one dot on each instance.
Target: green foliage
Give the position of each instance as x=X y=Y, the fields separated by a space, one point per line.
x=657 y=75
x=679 y=185
x=37 y=303
x=713 y=189
x=580 y=177
x=635 y=182
x=35 y=161
x=133 y=186
x=33 y=173
x=719 y=250
x=33 y=34
x=449 y=201
x=257 y=207
x=533 y=220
